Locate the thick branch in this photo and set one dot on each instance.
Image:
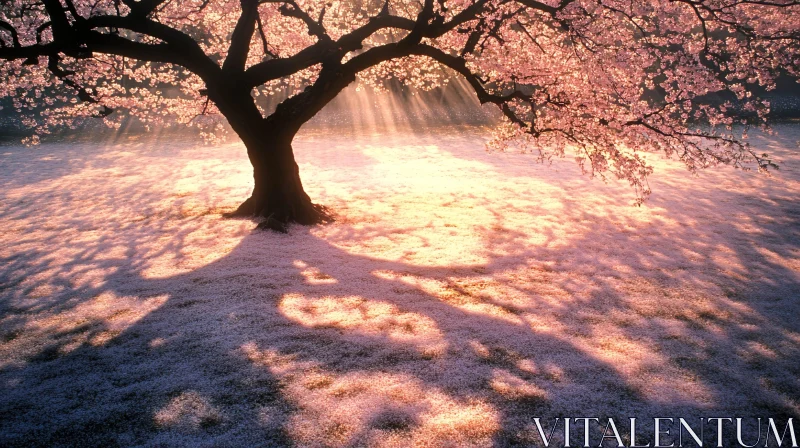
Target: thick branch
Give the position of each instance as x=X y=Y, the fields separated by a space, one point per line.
x=241 y=37
x=179 y=48
x=266 y=71
x=11 y=30
x=61 y=26
x=290 y=8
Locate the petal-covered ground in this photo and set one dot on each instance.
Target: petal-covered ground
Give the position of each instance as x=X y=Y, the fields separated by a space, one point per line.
x=459 y=295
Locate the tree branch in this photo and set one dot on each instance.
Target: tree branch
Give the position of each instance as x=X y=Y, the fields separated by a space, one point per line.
x=241 y=37
x=13 y=31
x=83 y=94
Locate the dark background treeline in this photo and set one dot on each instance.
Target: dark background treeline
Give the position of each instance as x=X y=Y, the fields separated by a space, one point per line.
x=453 y=104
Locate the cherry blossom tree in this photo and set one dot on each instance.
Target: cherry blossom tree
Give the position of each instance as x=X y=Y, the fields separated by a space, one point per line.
x=605 y=80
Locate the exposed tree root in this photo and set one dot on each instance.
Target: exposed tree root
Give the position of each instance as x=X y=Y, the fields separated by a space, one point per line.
x=280 y=213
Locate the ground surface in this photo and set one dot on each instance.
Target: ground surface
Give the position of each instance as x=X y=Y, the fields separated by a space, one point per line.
x=459 y=295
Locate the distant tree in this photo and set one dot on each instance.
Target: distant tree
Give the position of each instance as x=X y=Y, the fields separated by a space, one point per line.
x=609 y=78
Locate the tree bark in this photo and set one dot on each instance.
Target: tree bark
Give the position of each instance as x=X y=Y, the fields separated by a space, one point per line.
x=278 y=193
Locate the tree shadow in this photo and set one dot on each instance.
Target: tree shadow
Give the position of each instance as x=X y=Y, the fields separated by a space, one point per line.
x=216 y=331
x=307 y=339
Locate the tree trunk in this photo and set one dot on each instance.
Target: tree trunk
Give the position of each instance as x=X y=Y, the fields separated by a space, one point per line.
x=278 y=193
